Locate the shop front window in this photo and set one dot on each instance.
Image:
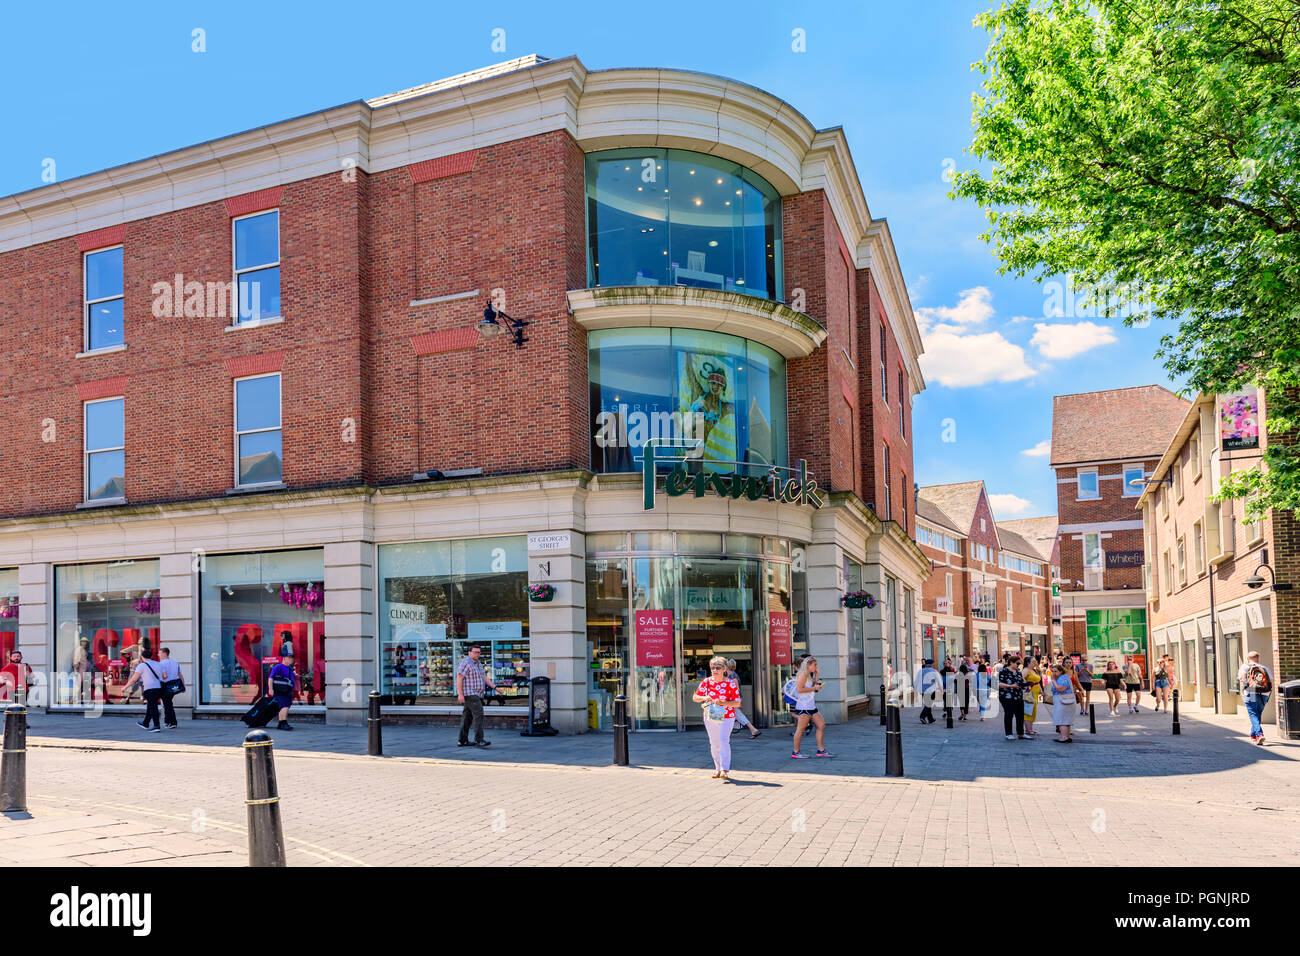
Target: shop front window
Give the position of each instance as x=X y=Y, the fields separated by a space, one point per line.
x=669 y=217
x=8 y=612
x=438 y=598
x=685 y=385
x=105 y=615
x=607 y=638
x=252 y=605
x=856 y=666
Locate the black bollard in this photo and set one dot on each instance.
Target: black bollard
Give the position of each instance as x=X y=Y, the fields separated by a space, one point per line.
x=13 y=763
x=375 y=742
x=620 y=731
x=882 y=705
x=265 y=833
x=894 y=743
x=1092 y=718
x=1178 y=728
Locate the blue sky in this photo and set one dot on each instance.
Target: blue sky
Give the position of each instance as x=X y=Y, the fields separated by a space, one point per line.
x=100 y=85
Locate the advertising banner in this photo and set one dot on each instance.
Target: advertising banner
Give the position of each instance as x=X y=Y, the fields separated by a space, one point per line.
x=1239 y=420
x=778 y=629
x=654 y=638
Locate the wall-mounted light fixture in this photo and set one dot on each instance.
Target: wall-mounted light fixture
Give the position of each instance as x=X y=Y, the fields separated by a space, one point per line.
x=495 y=321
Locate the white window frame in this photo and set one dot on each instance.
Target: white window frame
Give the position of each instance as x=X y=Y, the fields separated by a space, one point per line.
x=87 y=301
x=1078 y=480
x=1101 y=555
x=239 y=321
x=234 y=401
x=1133 y=491
x=87 y=451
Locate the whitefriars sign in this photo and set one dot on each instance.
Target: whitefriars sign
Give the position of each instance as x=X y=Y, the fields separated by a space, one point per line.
x=790 y=485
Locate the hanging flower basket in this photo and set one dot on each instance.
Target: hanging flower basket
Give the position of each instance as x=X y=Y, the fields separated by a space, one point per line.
x=857 y=599
x=541 y=593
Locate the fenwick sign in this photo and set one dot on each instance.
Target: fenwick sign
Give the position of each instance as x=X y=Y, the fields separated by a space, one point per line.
x=791 y=485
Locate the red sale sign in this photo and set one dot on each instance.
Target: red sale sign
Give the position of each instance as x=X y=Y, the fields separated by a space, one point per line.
x=654 y=638
x=778 y=629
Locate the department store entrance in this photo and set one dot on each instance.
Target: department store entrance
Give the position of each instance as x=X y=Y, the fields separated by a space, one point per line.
x=654 y=621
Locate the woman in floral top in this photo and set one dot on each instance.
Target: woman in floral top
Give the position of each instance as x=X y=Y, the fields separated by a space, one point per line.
x=716 y=692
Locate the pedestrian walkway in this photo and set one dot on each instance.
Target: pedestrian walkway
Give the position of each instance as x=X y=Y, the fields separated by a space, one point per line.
x=968 y=796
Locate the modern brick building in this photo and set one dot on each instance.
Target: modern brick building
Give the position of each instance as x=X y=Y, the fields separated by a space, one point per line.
x=1104 y=447
x=990 y=584
x=253 y=398
x=1200 y=554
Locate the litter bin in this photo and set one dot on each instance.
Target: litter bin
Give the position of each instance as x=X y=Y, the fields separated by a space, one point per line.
x=1288 y=709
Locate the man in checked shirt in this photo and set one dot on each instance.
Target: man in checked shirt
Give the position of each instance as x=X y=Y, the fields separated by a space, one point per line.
x=470 y=679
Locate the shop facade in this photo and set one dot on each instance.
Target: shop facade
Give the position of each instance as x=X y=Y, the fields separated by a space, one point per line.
x=675 y=434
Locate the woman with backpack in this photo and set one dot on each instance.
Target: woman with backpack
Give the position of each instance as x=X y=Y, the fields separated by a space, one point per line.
x=718 y=694
x=150 y=678
x=807 y=683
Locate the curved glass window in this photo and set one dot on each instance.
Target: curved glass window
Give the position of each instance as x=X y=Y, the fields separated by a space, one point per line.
x=685 y=384
x=673 y=217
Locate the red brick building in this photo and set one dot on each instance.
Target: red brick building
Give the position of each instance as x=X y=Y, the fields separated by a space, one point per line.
x=1104 y=447
x=255 y=400
x=989 y=589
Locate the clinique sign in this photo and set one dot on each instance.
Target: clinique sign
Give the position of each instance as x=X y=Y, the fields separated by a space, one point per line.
x=789 y=485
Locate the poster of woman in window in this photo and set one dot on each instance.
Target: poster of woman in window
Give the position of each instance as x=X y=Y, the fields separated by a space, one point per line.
x=707 y=393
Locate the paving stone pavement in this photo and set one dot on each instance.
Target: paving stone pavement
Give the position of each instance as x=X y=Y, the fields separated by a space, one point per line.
x=1132 y=792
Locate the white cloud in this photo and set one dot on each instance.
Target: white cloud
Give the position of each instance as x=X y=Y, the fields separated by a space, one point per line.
x=1067 y=340
x=958 y=356
x=1007 y=504
x=1041 y=450
x=957 y=360
x=974 y=307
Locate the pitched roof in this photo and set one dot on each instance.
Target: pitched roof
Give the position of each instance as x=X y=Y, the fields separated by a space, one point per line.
x=957 y=501
x=1038 y=533
x=929 y=511
x=1115 y=423
x=1011 y=541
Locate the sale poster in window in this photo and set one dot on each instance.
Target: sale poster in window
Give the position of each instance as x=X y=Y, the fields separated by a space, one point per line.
x=654 y=638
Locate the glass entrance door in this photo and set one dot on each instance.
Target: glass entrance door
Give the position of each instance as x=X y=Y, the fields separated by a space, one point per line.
x=720 y=604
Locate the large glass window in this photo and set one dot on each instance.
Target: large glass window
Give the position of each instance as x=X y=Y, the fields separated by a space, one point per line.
x=104 y=615
x=105 y=454
x=685 y=384
x=250 y=605
x=437 y=598
x=257 y=266
x=258 y=436
x=673 y=217
x=8 y=612
x=103 y=302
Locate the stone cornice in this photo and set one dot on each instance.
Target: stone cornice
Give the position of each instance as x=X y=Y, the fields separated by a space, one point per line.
x=769 y=323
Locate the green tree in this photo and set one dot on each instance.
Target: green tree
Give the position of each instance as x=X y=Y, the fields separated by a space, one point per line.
x=1150 y=148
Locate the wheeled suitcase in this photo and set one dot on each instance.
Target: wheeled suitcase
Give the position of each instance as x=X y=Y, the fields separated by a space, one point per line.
x=260 y=714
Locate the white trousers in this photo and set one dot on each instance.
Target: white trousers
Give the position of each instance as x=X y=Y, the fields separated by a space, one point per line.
x=720 y=741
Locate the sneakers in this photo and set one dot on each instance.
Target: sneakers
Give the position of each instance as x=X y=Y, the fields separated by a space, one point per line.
x=824 y=753
x=798 y=756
